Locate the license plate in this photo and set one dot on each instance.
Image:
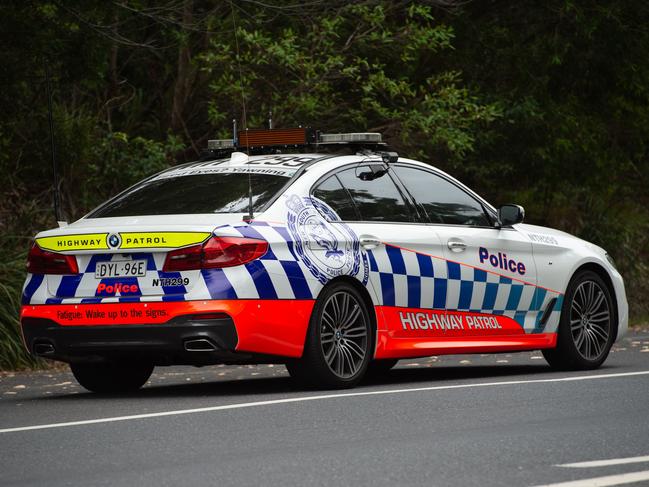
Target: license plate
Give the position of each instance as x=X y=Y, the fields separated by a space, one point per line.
x=120 y=268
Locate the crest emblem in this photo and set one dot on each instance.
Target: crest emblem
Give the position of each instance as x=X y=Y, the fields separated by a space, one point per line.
x=327 y=246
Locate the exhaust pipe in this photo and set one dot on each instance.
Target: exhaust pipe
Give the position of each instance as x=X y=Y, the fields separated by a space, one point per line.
x=199 y=345
x=43 y=348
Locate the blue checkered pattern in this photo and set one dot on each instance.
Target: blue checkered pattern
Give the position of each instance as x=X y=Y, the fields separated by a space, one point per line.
x=277 y=275
x=410 y=279
x=399 y=277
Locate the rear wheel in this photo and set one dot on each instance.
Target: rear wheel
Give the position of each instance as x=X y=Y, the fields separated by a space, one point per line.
x=586 y=329
x=339 y=342
x=111 y=377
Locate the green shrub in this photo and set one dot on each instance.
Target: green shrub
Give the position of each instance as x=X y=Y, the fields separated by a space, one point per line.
x=95 y=165
x=12 y=353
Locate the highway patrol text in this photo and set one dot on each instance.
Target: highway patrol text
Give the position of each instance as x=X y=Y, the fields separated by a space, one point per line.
x=78 y=242
x=430 y=321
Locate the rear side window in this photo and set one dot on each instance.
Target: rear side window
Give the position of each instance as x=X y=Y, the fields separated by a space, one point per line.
x=442 y=201
x=375 y=199
x=332 y=192
x=193 y=194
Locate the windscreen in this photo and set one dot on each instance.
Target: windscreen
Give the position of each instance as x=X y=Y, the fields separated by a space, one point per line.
x=190 y=193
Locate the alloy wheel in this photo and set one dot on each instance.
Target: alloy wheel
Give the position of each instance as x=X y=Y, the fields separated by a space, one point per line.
x=343 y=334
x=590 y=320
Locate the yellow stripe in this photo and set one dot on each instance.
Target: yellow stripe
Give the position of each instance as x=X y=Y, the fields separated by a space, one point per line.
x=139 y=240
x=130 y=240
x=86 y=241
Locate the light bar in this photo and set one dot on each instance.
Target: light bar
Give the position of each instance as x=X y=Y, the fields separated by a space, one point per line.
x=216 y=144
x=356 y=137
x=270 y=137
x=271 y=141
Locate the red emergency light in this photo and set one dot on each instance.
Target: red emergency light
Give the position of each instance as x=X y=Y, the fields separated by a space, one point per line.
x=273 y=137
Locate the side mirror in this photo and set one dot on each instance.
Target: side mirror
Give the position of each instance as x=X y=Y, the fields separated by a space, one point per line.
x=376 y=171
x=510 y=215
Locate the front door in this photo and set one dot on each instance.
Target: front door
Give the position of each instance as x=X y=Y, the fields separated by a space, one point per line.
x=491 y=280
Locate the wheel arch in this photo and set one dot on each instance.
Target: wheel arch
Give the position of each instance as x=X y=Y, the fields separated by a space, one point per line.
x=603 y=273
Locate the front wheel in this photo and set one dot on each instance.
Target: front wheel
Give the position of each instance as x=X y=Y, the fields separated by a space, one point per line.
x=587 y=326
x=339 y=341
x=111 y=377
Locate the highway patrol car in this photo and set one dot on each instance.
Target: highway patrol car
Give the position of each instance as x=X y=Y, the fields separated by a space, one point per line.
x=336 y=259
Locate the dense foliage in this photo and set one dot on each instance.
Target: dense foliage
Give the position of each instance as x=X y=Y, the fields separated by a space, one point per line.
x=541 y=103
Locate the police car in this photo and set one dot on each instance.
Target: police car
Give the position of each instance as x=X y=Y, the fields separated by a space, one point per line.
x=324 y=252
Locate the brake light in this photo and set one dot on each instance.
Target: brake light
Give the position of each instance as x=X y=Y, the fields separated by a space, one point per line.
x=217 y=252
x=41 y=261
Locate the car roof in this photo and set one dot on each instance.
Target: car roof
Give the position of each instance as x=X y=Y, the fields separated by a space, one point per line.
x=273 y=164
x=282 y=160
x=288 y=164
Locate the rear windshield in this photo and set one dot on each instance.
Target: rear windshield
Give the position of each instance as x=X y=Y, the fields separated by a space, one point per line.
x=194 y=193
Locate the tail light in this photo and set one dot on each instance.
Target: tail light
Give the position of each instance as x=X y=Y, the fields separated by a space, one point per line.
x=217 y=252
x=41 y=261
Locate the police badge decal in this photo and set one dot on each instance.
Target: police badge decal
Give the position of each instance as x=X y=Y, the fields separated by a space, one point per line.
x=327 y=246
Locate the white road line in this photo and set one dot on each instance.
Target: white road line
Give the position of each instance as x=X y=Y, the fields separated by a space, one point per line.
x=605 y=463
x=621 y=479
x=179 y=412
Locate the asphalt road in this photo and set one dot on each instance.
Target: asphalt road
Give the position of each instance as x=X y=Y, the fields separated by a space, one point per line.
x=462 y=420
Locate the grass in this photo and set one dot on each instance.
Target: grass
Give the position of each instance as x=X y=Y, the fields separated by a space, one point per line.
x=12 y=352
x=639 y=323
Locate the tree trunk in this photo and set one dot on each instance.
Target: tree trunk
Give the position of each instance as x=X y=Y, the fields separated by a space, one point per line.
x=181 y=87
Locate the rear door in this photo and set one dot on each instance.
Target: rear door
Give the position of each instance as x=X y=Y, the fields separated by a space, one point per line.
x=406 y=270
x=491 y=272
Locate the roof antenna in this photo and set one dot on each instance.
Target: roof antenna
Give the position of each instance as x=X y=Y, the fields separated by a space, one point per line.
x=251 y=215
x=55 y=168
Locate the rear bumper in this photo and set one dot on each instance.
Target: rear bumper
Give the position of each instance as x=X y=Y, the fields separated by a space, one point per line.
x=181 y=341
x=184 y=332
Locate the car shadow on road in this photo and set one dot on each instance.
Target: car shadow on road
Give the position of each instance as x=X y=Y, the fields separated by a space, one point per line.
x=257 y=388
x=440 y=373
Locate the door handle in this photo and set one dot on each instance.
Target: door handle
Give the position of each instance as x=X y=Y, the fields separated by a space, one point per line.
x=456 y=245
x=369 y=242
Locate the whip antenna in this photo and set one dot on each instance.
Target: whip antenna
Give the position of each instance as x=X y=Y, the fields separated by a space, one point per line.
x=55 y=168
x=243 y=106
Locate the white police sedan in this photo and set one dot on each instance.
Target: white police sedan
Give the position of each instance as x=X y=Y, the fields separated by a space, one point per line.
x=334 y=262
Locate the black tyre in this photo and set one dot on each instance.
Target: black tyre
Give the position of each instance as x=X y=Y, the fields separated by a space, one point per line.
x=111 y=377
x=378 y=368
x=339 y=342
x=587 y=326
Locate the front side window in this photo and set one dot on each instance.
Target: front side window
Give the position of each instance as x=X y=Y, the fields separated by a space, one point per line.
x=442 y=201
